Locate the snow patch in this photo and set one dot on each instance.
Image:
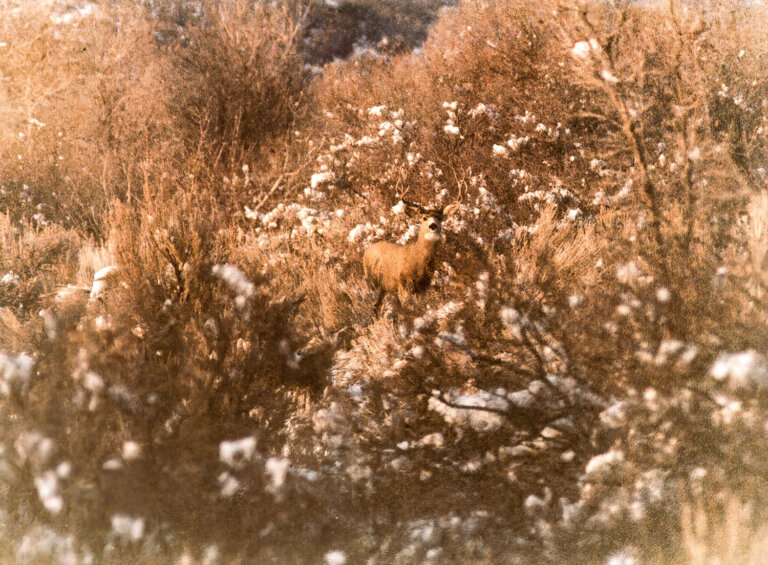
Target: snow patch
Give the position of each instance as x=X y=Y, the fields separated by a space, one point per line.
x=481 y=411
x=741 y=370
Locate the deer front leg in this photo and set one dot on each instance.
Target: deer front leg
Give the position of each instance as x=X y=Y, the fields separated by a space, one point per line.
x=379 y=300
x=403 y=295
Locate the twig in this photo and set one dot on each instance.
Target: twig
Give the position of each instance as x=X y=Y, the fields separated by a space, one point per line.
x=269 y=193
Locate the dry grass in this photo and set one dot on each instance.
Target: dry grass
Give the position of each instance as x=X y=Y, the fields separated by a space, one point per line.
x=609 y=246
x=728 y=536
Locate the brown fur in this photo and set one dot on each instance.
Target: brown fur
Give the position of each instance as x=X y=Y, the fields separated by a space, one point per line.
x=404 y=269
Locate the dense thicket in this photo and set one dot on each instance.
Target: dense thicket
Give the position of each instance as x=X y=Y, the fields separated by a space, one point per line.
x=584 y=380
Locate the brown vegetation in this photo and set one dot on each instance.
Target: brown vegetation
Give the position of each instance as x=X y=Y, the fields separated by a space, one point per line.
x=584 y=377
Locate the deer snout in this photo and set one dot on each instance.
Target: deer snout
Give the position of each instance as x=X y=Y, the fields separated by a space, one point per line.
x=433 y=226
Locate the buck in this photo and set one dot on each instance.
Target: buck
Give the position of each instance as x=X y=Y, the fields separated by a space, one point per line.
x=404 y=269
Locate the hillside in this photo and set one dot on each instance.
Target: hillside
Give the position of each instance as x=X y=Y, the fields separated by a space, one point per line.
x=192 y=367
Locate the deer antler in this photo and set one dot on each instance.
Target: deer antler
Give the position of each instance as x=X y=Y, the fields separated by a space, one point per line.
x=455 y=206
x=450 y=209
x=415 y=206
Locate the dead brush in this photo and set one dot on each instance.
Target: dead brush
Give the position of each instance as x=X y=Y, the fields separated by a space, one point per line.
x=225 y=330
x=75 y=112
x=332 y=302
x=238 y=80
x=32 y=262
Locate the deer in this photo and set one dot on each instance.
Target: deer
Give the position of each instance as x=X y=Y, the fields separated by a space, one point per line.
x=405 y=269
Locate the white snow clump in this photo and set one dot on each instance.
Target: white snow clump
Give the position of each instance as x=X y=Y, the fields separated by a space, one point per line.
x=741 y=370
x=481 y=411
x=238 y=452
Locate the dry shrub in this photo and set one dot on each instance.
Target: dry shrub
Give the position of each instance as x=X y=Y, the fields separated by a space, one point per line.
x=654 y=174
x=316 y=276
x=78 y=110
x=689 y=186
x=14 y=335
x=332 y=302
x=238 y=77
x=726 y=534
x=531 y=404
x=91 y=259
x=458 y=53
x=182 y=353
x=93 y=101
x=33 y=262
x=558 y=258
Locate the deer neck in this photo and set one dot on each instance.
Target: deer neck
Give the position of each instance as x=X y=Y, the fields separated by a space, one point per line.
x=426 y=247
